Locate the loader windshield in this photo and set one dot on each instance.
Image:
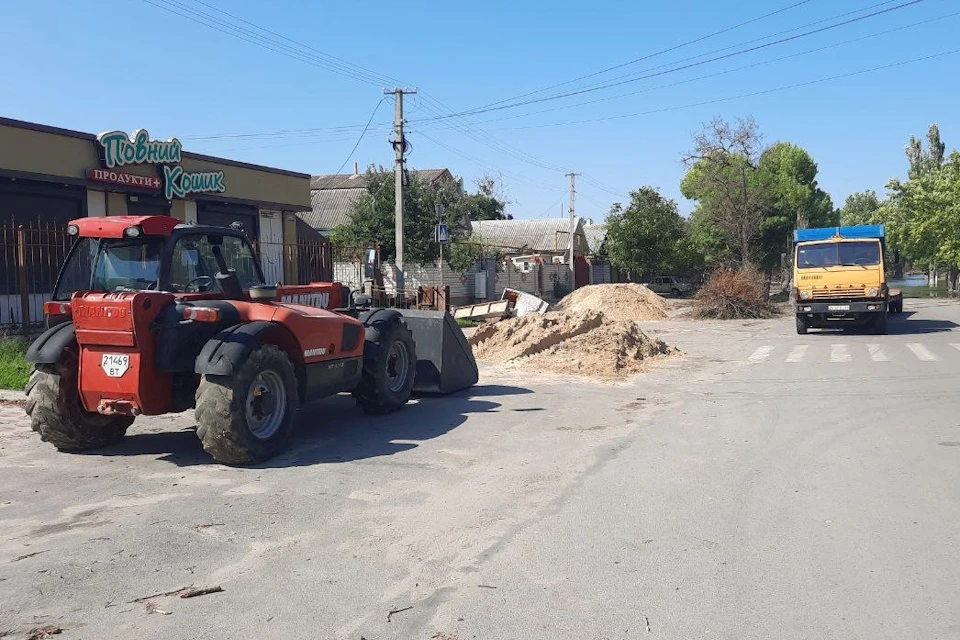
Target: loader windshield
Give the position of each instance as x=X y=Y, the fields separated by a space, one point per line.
x=110 y=265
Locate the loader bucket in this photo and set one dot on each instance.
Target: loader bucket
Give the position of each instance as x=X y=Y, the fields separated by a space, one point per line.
x=445 y=360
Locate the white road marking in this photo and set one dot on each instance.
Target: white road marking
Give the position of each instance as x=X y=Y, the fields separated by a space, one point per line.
x=877 y=354
x=840 y=353
x=921 y=352
x=761 y=354
x=797 y=353
x=955 y=345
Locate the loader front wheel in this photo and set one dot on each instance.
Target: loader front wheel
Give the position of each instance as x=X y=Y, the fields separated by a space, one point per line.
x=53 y=404
x=389 y=370
x=248 y=417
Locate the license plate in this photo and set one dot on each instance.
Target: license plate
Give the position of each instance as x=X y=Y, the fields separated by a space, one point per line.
x=115 y=364
x=838 y=307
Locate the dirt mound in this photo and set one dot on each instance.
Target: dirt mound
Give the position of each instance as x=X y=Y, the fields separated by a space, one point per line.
x=616 y=302
x=586 y=343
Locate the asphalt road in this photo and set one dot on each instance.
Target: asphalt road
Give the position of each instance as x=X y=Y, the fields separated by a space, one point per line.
x=764 y=485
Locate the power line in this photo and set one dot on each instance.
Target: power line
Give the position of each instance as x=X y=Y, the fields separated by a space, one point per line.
x=337 y=133
x=741 y=96
x=483 y=164
x=676 y=69
x=719 y=73
x=654 y=54
x=284 y=49
x=252 y=37
x=346 y=63
x=743 y=43
x=363 y=133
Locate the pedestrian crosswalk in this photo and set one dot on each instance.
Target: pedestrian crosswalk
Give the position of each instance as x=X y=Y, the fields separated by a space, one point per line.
x=842 y=352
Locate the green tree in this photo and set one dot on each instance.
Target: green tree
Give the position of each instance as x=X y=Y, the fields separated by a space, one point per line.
x=924 y=162
x=372 y=219
x=796 y=201
x=724 y=178
x=644 y=236
x=923 y=215
x=750 y=198
x=860 y=208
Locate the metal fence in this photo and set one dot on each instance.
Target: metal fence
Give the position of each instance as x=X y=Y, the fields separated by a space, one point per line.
x=309 y=260
x=30 y=259
x=31 y=256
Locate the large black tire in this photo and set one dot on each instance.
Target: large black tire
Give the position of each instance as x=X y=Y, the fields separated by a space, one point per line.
x=248 y=417
x=389 y=369
x=53 y=404
x=879 y=324
x=802 y=326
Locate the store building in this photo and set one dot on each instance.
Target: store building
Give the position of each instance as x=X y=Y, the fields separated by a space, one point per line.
x=51 y=175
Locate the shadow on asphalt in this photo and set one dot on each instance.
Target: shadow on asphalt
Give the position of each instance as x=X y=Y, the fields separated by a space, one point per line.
x=903 y=325
x=335 y=430
x=899 y=325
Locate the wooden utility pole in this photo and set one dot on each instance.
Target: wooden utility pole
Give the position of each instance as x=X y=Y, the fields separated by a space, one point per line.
x=399 y=149
x=573 y=227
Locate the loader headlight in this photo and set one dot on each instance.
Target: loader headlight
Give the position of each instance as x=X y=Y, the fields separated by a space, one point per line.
x=73 y=230
x=132 y=232
x=804 y=295
x=874 y=292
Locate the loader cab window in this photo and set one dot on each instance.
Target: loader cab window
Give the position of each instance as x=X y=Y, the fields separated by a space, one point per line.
x=110 y=265
x=193 y=266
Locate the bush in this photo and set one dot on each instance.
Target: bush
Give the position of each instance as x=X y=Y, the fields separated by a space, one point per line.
x=14 y=369
x=734 y=293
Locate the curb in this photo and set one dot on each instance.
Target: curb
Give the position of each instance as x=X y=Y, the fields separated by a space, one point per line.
x=12 y=395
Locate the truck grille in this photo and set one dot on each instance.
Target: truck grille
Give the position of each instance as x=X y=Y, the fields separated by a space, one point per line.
x=840 y=292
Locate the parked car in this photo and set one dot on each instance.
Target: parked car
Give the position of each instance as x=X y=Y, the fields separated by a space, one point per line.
x=671 y=285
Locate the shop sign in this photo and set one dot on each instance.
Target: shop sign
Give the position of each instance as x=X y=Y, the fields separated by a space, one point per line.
x=110 y=176
x=119 y=150
x=179 y=183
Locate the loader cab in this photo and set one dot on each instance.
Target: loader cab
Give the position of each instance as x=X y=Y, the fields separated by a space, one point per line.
x=178 y=258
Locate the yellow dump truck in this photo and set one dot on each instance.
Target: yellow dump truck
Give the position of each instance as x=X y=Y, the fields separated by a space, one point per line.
x=840 y=280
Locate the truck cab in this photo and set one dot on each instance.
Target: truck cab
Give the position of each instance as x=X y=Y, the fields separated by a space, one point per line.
x=840 y=280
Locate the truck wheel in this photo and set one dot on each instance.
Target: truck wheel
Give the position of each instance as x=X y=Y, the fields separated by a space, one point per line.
x=802 y=326
x=53 y=404
x=880 y=324
x=389 y=370
x=247 y=417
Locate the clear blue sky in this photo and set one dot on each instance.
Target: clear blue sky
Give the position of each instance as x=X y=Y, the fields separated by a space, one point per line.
x=124 y=64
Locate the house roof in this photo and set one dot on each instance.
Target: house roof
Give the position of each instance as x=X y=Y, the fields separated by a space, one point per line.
x=596 y=235
x=533 y=235
x=332 y=197
x=359 y=180
x=330 y=207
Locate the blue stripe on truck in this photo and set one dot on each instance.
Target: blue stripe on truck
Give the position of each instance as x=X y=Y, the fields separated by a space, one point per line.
x=826 y=233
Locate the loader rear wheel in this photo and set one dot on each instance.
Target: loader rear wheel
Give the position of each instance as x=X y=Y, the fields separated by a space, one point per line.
x=248 y=417
x=53 y=404
x=389 y=370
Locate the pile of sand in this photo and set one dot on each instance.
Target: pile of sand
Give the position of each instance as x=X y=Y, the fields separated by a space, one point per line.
x=586 y=343
x=616 y=302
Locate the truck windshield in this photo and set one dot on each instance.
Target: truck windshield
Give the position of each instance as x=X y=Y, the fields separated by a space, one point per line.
x=844 y=254
x=110 y=265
